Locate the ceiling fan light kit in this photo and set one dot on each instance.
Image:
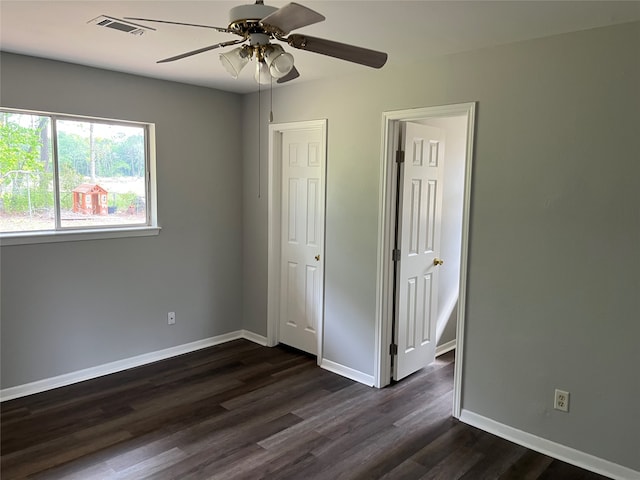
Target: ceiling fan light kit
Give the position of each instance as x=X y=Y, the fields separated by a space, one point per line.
x=258 y=24
x=235 y=60
x=262 y=75
x=280 y=62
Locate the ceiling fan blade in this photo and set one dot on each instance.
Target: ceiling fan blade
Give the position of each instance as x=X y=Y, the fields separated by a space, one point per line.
x=293 y=74
x=350 y=53
x=220 y=29
x=292 y=16
x=200 y=50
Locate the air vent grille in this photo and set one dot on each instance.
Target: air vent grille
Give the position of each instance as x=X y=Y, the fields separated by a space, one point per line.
x=121 y=25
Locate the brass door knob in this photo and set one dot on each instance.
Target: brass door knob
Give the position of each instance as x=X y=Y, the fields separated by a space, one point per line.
x=437 y=261
x=317 y=258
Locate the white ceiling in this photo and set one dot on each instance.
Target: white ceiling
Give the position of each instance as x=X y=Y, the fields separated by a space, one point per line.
x=407 y=30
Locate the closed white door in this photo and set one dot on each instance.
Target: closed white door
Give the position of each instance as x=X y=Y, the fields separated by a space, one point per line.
x=302 y=236
x=419 y=244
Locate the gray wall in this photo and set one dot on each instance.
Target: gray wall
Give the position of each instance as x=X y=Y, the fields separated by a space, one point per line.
x=553 y=287
x=74 y=305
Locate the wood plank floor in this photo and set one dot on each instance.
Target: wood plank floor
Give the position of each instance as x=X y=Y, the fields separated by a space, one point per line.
x=240 y=410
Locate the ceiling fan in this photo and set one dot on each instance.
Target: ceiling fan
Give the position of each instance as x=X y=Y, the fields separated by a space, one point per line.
x=258 y=24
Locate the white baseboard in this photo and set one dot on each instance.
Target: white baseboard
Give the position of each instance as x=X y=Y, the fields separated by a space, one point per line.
x=254 y=337
x=445 y=347
x=552 y=449
x=124 y=364
x=348 y=372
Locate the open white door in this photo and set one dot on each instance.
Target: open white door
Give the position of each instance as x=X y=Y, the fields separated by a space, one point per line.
x=302 y=237
x=420 y=205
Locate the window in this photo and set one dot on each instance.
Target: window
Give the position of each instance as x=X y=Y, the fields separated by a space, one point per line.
x=63 y=174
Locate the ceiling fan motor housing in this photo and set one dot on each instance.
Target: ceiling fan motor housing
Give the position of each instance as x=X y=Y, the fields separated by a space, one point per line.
x=249 y=13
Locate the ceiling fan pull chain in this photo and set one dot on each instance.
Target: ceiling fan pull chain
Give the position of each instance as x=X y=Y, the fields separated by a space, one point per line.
x=259 y=137
x=271 y=101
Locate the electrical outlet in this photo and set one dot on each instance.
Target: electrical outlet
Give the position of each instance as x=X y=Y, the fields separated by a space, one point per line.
x=561 y=401
x=171 y=318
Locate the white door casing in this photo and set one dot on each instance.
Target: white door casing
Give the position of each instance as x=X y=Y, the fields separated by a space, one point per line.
x=419 y=244
x=296 y=235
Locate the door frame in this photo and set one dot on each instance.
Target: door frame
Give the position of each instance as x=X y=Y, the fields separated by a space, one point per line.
x=274 y=219
x=386 y=229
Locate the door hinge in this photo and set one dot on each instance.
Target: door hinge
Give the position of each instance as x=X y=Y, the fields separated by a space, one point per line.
x=395 y=255
x=399 y=156
x=393 y=349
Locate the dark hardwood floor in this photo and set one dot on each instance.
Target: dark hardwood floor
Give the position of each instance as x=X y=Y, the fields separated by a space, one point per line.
x=239 y=410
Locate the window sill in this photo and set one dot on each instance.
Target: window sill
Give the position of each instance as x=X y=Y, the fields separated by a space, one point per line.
x=22 y=238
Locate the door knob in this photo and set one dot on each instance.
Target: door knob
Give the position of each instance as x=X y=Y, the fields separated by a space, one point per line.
x=317 y=258
x=437 y=261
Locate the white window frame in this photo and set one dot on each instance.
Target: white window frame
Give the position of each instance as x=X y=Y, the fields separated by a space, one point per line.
x=62 y=234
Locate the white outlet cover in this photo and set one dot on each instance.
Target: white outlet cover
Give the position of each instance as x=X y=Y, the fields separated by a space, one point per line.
x=561 y=400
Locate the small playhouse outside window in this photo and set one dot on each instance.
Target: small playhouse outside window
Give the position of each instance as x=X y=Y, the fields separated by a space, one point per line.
x=90 y=199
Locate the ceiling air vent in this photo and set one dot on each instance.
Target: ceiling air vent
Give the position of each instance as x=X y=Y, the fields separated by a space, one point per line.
x=121 y=25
